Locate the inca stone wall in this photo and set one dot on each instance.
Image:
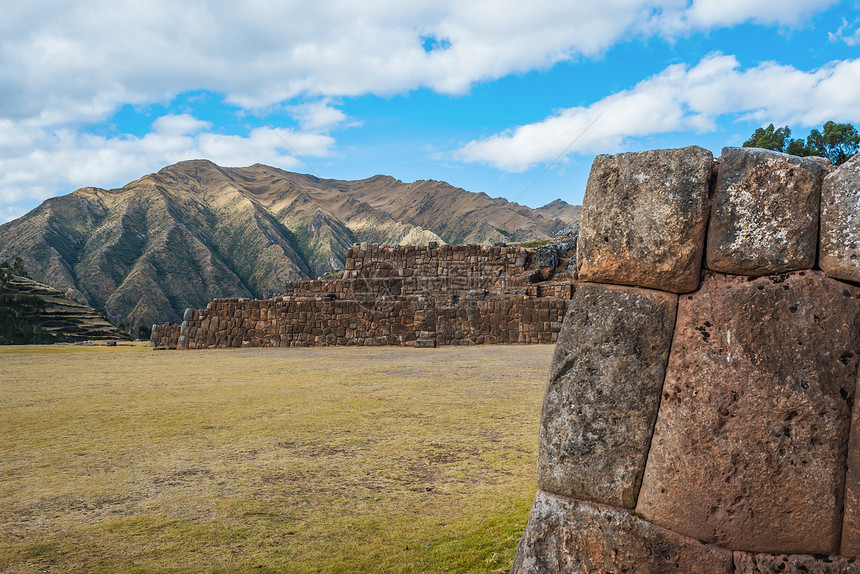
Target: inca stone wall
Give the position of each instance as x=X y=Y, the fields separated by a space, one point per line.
x=699 y=413
x=473 y=294
x=505 y=264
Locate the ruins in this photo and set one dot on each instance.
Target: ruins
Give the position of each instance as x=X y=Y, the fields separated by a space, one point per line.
x=699 y=414
x=407 y=295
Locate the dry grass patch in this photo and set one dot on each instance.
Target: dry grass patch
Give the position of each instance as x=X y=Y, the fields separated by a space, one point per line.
x=282 y=460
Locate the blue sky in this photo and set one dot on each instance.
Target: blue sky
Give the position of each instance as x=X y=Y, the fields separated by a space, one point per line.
x=504 y=97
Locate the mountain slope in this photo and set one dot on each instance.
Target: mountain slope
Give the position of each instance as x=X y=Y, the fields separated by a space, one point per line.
x=34 y=313
x=195 y=231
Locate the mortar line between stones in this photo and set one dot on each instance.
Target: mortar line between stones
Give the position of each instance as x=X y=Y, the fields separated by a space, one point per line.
x=816 y=262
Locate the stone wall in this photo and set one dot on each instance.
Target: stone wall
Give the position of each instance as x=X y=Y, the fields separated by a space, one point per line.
x=409 y=295
x=166 y=335
x=699 y=414
x=506 y=265
x=409 y=321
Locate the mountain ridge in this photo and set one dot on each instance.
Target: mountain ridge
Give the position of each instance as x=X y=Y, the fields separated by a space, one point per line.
x=194 y=231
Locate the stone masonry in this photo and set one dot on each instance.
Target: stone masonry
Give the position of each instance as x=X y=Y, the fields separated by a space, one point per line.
x=413 y=296
x=700 y=417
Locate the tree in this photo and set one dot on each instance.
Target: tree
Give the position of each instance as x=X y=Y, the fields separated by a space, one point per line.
x=771 y=138
x=837 y=142
x=15 y=268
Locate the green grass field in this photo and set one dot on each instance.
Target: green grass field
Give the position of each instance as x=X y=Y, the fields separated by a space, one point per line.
x=126 y=459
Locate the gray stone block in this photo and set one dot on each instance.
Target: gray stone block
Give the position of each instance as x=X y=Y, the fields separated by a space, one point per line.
x=644 y=218
x=764 y=217
x=565 y=535
x=603 y=392
x=839 y=243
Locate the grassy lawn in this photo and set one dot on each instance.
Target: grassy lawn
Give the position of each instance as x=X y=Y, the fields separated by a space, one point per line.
x=126 y=459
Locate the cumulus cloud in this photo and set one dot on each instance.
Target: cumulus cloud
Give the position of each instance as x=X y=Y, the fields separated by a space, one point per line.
x=66 y=66
x=66 y=159
x=679 y=98
x=64 y=62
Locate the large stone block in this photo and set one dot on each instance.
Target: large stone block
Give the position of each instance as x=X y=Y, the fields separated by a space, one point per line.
x=749 y=448
x=839 y=247
x=603 y=392
x=793 y=564
x=851 y=519
x=565 y=535
x=764 y=217
x=644 y=218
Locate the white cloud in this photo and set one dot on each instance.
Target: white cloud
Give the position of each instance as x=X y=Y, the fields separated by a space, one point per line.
x=65 y=66
x=706 y=14
x=319 y=116
x=65 y=159
x=68 y=62
x=845 y=33
x=679 y=98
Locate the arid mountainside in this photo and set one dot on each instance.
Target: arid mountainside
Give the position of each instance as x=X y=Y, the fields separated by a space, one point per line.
x=195 y=231
x=34 y=313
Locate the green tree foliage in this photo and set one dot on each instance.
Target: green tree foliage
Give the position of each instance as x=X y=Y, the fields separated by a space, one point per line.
x=144 y=332
x=836 y=142
x=16 y=267
x=776 y=139
x=19 y=320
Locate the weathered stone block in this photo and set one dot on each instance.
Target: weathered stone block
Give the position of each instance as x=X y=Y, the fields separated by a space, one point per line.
x=749 y=447
x=603 y=392
x=851 y=520
x=644 y=218
x=764 y=217
x=565 y=535
x=839 y=244
x=793 y=564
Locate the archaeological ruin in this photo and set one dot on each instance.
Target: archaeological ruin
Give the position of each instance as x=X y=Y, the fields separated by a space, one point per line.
x=413 y=296
x=699 y=414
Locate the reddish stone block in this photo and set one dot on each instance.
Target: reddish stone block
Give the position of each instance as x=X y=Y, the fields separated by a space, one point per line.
x=793 y=564
x=851 y=521
x=749 y=448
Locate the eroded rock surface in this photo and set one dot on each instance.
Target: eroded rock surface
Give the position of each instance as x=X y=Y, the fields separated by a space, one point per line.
x=851 y=519
x=750 y=443
x=575 y=537
x=793 y=564
x=603 y=392
x=840 y=222
x=764 y=217
x=644 y=218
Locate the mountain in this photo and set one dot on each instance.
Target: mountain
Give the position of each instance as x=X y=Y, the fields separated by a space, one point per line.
x=34 y=313
x=561 y=210
x=195 y=231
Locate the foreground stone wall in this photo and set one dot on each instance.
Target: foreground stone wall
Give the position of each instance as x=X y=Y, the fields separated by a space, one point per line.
x=699 y=414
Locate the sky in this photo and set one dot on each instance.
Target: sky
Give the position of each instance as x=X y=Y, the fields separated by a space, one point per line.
x=510 y=98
